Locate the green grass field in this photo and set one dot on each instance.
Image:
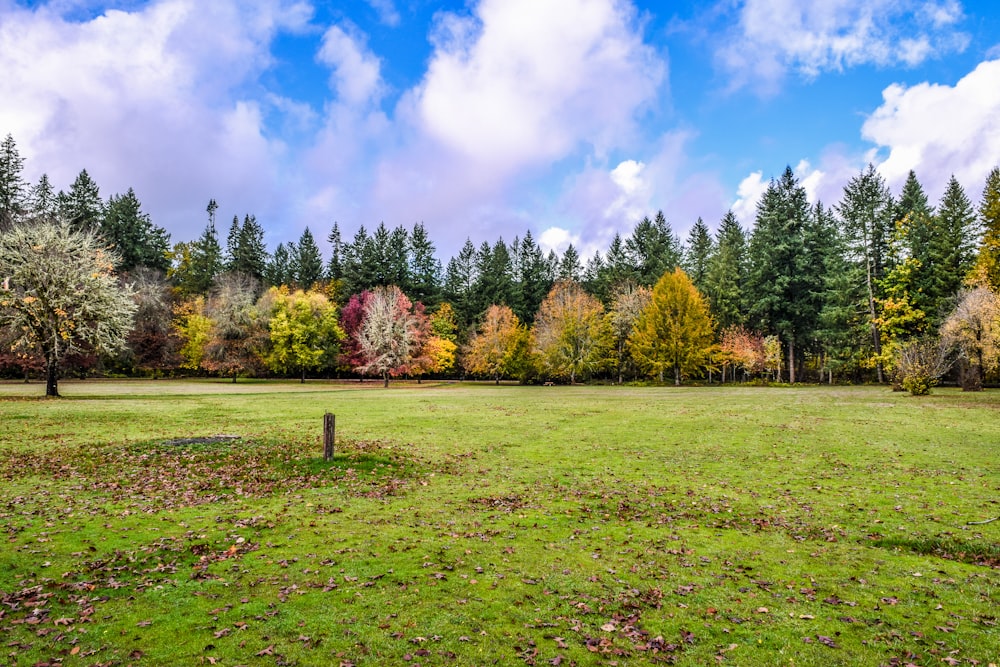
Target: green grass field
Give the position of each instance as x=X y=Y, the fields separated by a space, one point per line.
x=478 y=525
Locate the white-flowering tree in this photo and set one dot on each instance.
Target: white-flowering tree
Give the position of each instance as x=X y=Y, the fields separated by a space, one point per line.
x=392 y=333
x=59 y=293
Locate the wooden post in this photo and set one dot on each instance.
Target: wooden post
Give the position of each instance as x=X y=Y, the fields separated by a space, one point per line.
x=329 y=431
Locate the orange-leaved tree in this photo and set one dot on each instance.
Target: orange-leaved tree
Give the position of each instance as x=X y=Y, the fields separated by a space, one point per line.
x=499 y=347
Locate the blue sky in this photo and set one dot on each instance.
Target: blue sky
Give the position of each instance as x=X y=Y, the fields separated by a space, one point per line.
x=486 y=118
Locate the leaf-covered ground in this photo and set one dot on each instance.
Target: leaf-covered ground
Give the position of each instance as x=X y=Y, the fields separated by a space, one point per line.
x=480 y=525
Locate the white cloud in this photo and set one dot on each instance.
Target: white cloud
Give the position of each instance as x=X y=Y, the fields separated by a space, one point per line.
x=939 y=130
x=558 y=239
x=748 y=193
x=356 y=77
x=519 y=85
x=387 y=12
x=148 y=99
x=774 y=37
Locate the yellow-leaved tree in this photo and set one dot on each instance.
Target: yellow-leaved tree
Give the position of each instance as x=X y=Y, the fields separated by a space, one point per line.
x=674 y=331
x=570 y=337
x=499 y=347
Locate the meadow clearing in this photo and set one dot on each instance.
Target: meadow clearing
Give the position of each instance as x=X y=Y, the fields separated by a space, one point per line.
x=472 y=524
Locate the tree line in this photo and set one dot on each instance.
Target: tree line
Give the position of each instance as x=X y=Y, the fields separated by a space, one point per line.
x=853 y=292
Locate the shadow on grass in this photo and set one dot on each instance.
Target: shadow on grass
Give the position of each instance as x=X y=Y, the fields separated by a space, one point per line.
x=983 y=553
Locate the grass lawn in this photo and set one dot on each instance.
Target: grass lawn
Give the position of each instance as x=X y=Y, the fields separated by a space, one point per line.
x=466 y=524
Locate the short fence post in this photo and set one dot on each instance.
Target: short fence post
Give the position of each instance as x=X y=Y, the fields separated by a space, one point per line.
x=329 y=432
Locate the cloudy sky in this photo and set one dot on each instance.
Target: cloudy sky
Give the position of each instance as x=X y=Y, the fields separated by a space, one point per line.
x=486 y=118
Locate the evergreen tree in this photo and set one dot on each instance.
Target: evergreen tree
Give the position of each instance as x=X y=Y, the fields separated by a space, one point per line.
x=43 y=201
x=697 y=253
x=82 y=205
x=987 y=269
x=914 y=213
x=779 y=285
x=398 y=260
x=279 y=267
x=250 y=257
x=841 y=326
x=206 y=256
x=232 y=243
x=459 y=283
x=424 y=269
x=654 y=248
x=335 y=267
x=951 y=250
x=494 y=283
x=727 y=273
x=867 y=213
x=13 y=190
x=139 y=242
x=620 y=266
x=359 y=263
x=591 y=279
x=569 y=266
x=533 y=280
x=308 y=261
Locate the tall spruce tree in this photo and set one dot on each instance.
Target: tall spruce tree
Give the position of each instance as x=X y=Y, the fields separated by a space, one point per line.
x=779 y=283
x=13 y=190
x=308 y=261
x=866 y=211
x=459 y=282
x=727 y=274
x=82 y=205
x=250 y=254
x=951 y=250
x=533 y=280
x=335 y=267
x=697 y=252
x=139 y=242
x=569 y=265
x=425 y=268
x=205 y=256
x=654 y=248
x=43 y=201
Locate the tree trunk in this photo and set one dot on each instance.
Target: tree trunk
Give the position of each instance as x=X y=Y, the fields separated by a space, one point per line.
x=385 y=380
x=791 y=360
x=876 y=337
x=677 y=375
x=234 y=378
x=51 y=377
x=303 y=380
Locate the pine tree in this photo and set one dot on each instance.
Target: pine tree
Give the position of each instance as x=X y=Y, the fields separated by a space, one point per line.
x=132 y=232
x=654 y=248
x=335 y=267
x=43 y=202
x=533 y=280
x=279 y=267
x=867 y=213
x=205 y=256
x=250 y=256
x=13 y=191
x=459 y=282
x=398 y=260
x=987 y=269
x=424 y=269
x=697 y=252
x=727 y=273
x=569 y=265
x=950 y=251
x=779 y=284
x=308 y=261
x=82 y=205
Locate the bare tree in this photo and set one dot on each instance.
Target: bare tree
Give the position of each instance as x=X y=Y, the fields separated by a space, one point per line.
x=58 y=291
x=920 y=363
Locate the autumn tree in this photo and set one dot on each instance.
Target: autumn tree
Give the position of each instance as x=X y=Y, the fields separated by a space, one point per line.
x=743 y=349
x=237 y=336
x=60 y=293
x=391 y=334
x=570 y=335
x=674 y=331
x=973 y=331
x=628 y=300
x=499 y=347
x=193 y=328
x=153 y=341
x=304 y=332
